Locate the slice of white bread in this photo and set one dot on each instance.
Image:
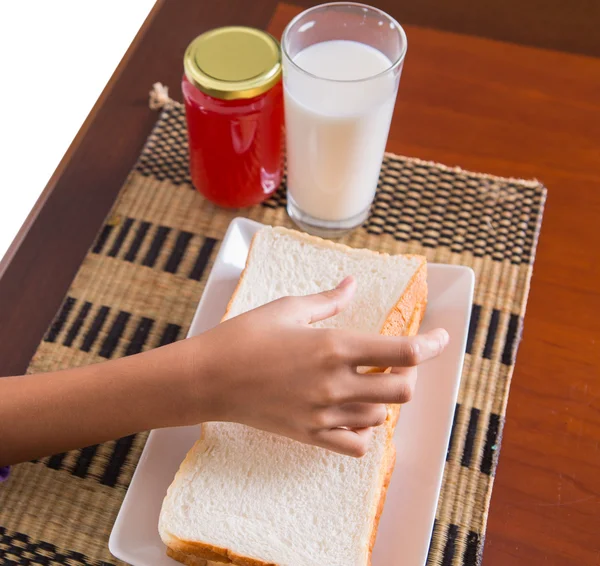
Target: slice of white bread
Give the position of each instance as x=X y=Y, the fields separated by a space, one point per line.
x=251 y=498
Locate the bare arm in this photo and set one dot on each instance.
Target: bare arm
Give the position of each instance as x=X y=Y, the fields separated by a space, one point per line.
x=53 y=412
x=267 y=368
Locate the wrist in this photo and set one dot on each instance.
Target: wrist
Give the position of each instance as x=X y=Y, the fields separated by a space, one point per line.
x=201 y=379
x=188 y=383
x=159 y=387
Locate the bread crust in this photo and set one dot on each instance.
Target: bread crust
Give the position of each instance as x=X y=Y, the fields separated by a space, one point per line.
x=404 y=319
x=192 y=553
x=392 y=420
x=187 y=559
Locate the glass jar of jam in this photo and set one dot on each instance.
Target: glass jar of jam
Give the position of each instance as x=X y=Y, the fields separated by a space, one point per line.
x=234 y=110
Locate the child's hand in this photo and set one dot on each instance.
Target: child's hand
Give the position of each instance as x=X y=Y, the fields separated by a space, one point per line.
x=267 y=368
x=271 y=370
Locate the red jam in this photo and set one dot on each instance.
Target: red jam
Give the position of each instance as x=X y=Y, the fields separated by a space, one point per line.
x=235 y=146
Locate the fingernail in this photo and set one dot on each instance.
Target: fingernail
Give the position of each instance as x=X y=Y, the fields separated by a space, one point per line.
x=443 y=337
x=439 y=340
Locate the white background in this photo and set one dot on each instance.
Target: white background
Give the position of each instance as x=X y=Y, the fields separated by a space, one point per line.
x=56 y=57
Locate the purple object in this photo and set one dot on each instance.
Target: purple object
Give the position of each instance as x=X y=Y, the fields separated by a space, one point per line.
x=4 y=471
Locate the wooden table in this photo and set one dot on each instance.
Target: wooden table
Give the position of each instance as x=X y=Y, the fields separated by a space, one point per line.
x=481 y=104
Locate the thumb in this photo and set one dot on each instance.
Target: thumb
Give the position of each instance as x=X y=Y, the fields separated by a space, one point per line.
x=320 y=306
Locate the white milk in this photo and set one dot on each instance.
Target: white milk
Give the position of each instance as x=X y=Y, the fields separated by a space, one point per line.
x=337 y=131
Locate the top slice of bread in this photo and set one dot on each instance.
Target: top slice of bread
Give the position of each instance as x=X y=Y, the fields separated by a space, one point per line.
x=251 y=498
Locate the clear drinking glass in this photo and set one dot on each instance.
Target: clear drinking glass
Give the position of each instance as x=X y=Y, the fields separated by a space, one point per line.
x=341 y=66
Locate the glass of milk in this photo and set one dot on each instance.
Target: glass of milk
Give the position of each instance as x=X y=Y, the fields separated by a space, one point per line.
x=341 y=66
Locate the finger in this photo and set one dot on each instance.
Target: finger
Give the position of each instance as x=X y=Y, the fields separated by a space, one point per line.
x=389 y=351
x=350 y=442
x=313 y=308
x=357 y=415
x=388 y=388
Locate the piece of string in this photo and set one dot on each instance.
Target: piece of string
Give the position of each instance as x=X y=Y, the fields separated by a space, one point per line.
x=159 y=96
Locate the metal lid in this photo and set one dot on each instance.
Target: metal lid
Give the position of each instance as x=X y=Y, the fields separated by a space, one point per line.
x=233 y=62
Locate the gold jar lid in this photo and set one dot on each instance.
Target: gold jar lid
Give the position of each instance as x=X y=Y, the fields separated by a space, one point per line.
x=233 y=62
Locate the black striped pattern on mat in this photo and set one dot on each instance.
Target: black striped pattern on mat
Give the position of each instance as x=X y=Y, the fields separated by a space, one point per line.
x=18 y=548
x=141 y=281
x=67 y=329
x=154 y=237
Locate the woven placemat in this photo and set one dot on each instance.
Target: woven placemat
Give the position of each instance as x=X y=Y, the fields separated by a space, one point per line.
x=139 y=286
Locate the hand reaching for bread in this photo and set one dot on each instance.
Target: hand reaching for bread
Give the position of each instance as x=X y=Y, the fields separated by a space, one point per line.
x=270 y=369
x=267 y=368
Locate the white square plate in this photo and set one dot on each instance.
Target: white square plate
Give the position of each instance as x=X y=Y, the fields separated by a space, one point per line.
x=421 y=436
